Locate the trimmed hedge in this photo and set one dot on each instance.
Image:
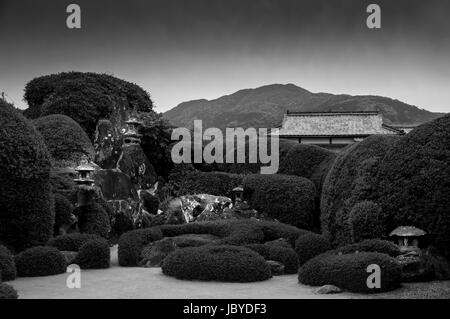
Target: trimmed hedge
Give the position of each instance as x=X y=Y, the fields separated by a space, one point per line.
x=309 y=161
x=289 y=199
x=93 y=219
x=26 y=201
x=351 y=179
x=65 y=139
x=311 y=245
x=7 y=266
x=7 y=292
x=365 y=221
x=371 y=245
x=63 y=212
x=349 y=271
x=72 y=242
x=131 y=244
x=218 y=263
x=40 y=261
x=150 y=203
x=286 y=256
x=214 y=183
x=95 y=254
x=414 y=182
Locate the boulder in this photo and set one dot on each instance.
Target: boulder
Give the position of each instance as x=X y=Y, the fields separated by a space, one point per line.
x=153 y=254
x=328 y=289
x=414 y=268
x=107 y=144
x=114 y=185
x=69 y=256
x=276 y=268
x=203 y=207
x=134 y=163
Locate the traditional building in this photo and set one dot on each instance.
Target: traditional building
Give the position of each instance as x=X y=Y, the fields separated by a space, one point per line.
x=334 y=130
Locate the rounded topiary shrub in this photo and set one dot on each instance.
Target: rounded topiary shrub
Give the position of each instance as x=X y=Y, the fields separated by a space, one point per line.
x=286 y=256
x=349 y=272
x=351 y=179
x=94 y=254
x=7 y=266
x=72 y=242
x=93 y=219
x=131 y=244
x=40 y=261
x=289 y=199
x=366 y=221
x=414 y=182
x=7 y=292
x=214 y=183
x=63 y=212
x=26 y=201
x=218 y=263
x=65 y=139
x=150 y=202
x=371 y=245
x=311 y=245
x=309 y=161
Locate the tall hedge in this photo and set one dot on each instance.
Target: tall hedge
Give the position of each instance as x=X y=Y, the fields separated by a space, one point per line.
x=214 y=183
x=63 y=212
x=289 y=199
x=352 y=179
x=65 y=139
x=85 y=97
x=26 y=201
x=93 y=219
x=414 y=182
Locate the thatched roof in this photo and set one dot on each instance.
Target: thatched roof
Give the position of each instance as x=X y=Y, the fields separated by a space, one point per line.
x=407 y=231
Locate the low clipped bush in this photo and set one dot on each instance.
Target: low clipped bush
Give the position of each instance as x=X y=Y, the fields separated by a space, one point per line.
x=349 y=271
x=40 y=261
x=311 y=245
x=72 y=242
x=63 y=212
x=275 y=230
x=7 y=266
x=94 y=254
x=214 y=183
x=218 y=263
x=131 y=244
x=371 y=245
x=286 y=256
x=7 y=292
x=93 y=219
x=289 y=199
x=366 y=221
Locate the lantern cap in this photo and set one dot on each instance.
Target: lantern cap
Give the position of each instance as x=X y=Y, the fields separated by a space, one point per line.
x=84 y=165
x=407 y=231
x=238 y=189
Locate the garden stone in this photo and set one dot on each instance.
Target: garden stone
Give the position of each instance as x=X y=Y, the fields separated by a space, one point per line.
x=276 y=268
x=107 y=144
x=114 y=185
x=328 y=289
x=413 y=268
x=69 y=256
x=134 y=163
x=153 y=254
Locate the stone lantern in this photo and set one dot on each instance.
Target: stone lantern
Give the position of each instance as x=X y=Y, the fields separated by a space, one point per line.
x=84 y=172
x=132 y=135
x=238 y=194
x=407 y=237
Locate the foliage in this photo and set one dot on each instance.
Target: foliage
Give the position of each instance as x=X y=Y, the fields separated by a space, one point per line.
x=131 y=244
x=289 y=199
x=63 y=212
x=7 y=292
x=40 y=261
x=94 y=254
x=72 y=242
x=371 y=245
x=311 y=245
x=286 y=256
x=26 y=201
x=7 y=266
x=366 y=221
x=218 y=263
x=93 y=219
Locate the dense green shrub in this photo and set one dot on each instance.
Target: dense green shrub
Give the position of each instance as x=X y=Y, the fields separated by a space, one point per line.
x=349 y=271
x=371 y=245
x=351 y=179
x=72 y=242
x=414 y=182
x=7 y=292
x=63 y=212
x=26 y=201
x=289 y=199
x=94 y=254
x=85 y=97
x=214 y=183
x=93 y=219
x=311 y=245
x=218 y=263
x=131 y=244
x=286 y=256
x=150 y=203
x=7 y=266
x=40 y=261
x=62 y=182
x=365 y=221
x=276 y=230
x=309 y=161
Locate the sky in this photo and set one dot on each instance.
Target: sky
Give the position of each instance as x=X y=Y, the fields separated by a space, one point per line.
x=181 y=50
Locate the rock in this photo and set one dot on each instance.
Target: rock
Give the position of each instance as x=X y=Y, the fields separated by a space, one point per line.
x=204 y=207
x=69 y=256
x=276 y=268
x=153 y=254
x=107 y=144
x=115 y=185
x=134 y=163
x=328 y=289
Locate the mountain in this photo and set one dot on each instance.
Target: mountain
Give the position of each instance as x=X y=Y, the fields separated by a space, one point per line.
x=266 y=105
